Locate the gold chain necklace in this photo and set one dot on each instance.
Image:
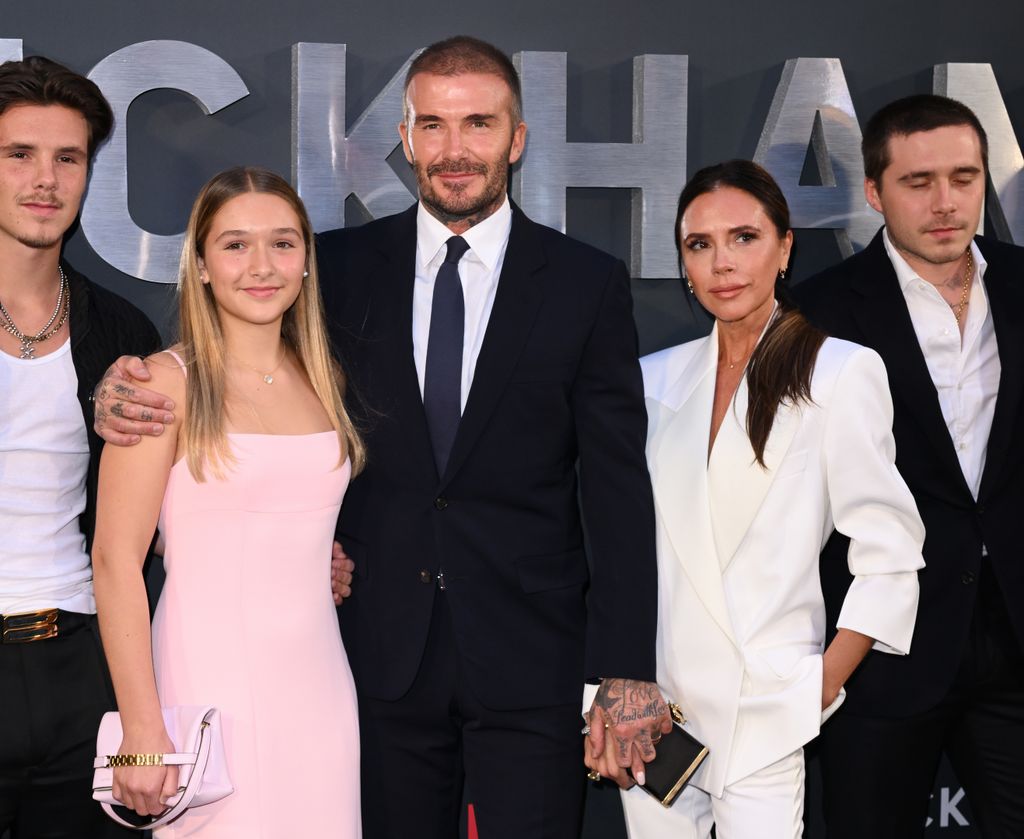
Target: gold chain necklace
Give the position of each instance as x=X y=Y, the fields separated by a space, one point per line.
x=267 y=377
x=958 y=308
x=28 y=342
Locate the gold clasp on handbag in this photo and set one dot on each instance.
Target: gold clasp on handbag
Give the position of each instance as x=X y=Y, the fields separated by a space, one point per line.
x=677 y=713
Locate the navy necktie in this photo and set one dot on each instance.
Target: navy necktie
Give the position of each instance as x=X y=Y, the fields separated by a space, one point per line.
x=442 y=384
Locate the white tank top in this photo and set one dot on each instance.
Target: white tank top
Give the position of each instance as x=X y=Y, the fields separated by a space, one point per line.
x=44 y=461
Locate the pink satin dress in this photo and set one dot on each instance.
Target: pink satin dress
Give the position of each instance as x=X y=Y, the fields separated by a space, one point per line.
x=246 y=622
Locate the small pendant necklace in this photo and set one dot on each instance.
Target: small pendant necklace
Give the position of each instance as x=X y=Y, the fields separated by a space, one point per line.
x=267 y=377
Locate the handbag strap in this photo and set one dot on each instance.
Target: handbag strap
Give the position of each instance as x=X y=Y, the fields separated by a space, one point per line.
x=191 y=788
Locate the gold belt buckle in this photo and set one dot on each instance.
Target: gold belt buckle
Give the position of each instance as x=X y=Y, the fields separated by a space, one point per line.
x=25 y=627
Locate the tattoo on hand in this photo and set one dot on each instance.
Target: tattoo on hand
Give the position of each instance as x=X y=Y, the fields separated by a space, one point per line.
x=124 y=390
x=117 y=409
x=630 y=701
x=146 y=416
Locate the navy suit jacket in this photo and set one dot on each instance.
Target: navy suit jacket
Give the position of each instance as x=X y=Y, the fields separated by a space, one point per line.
x=861 y=300
x=554 y=425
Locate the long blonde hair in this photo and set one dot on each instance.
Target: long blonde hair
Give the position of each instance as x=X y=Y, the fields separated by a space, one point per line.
x=303 y=329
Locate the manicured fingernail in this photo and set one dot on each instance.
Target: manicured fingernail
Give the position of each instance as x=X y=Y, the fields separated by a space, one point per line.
x=158 y=428
x=641 y=778
x=169 y=405
x=168 y=418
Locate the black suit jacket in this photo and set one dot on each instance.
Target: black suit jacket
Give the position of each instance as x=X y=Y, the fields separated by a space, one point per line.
x=103 y=326
x=557 y=385
x=860 y=300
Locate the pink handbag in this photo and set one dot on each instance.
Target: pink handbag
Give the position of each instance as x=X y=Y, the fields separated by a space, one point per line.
x=202 y=768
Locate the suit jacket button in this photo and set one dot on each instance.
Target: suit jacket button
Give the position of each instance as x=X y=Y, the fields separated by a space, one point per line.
x=967 y=578
x=981 y=509
x=440 y=503
x=425 y=576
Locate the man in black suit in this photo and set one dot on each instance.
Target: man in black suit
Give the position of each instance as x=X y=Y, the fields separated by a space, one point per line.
x=474 y=617
x=945 y=310
x=489 y=358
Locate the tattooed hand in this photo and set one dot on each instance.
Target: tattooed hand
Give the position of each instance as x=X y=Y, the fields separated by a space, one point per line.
x=123 y=410
x=627 y=719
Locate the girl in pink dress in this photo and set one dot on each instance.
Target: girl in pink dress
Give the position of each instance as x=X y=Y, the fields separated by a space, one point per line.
x=246 y=485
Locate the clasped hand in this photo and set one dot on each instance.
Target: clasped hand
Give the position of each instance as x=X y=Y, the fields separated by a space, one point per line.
x=146 y=789
x=627 y=719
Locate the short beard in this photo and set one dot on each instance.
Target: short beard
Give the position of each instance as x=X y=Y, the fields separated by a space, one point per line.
x=39 y=243
x=452 y=207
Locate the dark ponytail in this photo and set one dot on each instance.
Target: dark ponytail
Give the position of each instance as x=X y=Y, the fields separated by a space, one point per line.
x=780 y=369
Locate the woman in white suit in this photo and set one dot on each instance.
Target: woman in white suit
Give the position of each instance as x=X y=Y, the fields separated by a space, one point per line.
x=763 y=437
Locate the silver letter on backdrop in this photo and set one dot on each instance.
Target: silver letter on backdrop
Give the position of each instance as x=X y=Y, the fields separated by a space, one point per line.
x=123 y=76
x=653 y=166
x=10 y=49
x=812 y=104
x=327 y=165
x=975 y=85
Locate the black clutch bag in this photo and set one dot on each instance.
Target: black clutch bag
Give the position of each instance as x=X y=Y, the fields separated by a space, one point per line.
x=679 y=754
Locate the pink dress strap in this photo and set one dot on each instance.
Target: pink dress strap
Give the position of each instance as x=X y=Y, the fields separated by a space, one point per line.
x=181 y=363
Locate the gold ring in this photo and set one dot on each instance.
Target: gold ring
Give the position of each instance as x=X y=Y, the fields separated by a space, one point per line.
x=594 y=775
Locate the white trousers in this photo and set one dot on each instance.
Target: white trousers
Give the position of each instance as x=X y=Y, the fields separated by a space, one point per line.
x=768 y=804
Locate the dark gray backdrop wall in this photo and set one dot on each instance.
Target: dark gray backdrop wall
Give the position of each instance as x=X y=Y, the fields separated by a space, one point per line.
x=736 y=49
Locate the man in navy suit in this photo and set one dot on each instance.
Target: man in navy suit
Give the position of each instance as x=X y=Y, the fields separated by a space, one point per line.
x=492 y=367
x=945 y=310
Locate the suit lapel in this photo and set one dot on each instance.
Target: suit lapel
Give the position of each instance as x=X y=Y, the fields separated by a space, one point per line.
x=885 y=322
x=516 y=303
x=1006 y=303
x=390 y=325
x=678 y=459
x=737 y=484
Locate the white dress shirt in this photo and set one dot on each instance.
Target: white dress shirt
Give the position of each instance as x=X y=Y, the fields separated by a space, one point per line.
x=965 y=372
x=479 y=270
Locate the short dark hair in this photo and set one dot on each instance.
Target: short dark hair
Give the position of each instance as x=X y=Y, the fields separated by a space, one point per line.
x=39 y=81
x=465 y=54
x=921 y=112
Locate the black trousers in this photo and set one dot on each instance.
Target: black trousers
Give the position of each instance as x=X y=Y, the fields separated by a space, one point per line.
x=523 y=770
x=878 y=773
x=52 y=695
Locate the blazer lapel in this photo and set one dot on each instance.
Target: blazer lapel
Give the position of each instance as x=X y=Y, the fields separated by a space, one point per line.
x=678 y=459
x=885 y=322
x=737 y=483
x=389 y=325
x=516 y=303
x=1006 y=302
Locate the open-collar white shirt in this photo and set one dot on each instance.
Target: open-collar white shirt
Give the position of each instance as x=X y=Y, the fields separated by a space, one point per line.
x=965 y=372
x=479 y=270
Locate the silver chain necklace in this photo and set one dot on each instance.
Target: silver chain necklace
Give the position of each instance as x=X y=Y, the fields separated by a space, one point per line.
x=28 y=342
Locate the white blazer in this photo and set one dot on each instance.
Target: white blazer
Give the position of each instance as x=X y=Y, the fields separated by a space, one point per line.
x=741 y=624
